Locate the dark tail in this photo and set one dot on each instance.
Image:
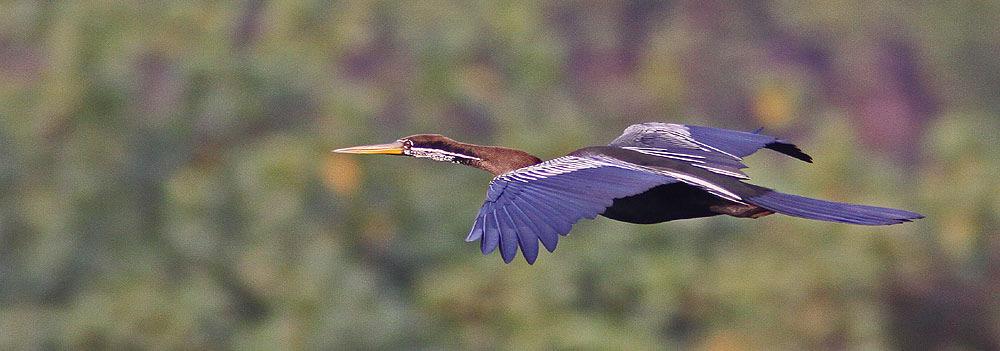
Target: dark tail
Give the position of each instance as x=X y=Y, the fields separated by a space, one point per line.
x=805 y=207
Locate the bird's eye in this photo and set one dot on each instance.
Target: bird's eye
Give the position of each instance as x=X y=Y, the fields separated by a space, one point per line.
x=407 y=145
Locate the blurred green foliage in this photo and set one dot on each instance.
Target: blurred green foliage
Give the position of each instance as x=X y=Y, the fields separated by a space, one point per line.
x=166 y=182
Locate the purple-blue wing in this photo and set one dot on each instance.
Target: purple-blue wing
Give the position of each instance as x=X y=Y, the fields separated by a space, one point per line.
x=742 y=144
x=715 y=149
x=541 y=202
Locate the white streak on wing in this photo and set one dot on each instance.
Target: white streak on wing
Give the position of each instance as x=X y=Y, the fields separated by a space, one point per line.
x=739 y=175
x=551 y=168
x=569 y=164
x=686 y=178
x=662 y=153
x=712 y=188
x=717 y=149
x=695 y=160
x=677 y=134
x=682 y=132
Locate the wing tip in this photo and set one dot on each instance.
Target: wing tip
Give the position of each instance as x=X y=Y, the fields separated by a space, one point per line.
x=507 y=259
x=477 y=231
x=530 y=259
x=789 y=149
x=485 y=249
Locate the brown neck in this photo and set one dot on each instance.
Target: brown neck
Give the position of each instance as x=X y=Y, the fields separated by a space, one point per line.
x=499 y=160
x=494 y=159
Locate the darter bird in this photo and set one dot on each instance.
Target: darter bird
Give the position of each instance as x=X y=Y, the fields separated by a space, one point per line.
x=652 y=173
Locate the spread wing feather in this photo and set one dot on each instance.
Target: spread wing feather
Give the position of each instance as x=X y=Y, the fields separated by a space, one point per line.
x=718 y=150
x=541 y=202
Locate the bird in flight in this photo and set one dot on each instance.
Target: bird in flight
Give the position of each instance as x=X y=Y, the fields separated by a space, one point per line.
x=652 y=173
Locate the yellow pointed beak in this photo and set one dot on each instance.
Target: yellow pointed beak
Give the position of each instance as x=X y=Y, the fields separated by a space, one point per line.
x=394 y=148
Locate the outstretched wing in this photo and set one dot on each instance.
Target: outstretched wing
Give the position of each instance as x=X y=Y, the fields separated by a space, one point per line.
x=715 y=149
x=541 y=202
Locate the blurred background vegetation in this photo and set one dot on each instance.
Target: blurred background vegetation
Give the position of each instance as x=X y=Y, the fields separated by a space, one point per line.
x=166 y=181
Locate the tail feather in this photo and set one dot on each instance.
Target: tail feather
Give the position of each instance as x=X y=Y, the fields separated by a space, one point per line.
x=804 y=207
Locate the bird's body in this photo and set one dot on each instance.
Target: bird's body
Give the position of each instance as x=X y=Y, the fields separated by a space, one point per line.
x=654 y=172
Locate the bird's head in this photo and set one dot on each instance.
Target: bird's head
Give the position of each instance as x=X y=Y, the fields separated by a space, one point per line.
x=433 y=146
x=493 y=159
